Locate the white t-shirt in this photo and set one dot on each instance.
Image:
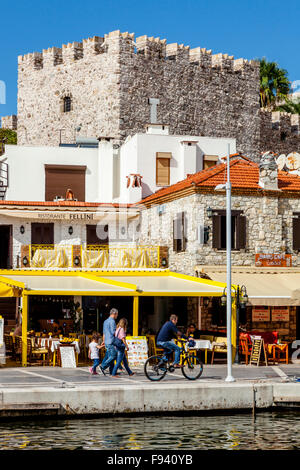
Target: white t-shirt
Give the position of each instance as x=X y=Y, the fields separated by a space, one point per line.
x=94 y=350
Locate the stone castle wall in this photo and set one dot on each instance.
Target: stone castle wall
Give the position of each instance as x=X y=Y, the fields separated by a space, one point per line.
x=279 y=132
x=110 y=80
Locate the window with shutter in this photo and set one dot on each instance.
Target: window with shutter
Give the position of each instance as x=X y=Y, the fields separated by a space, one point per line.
x=163 y=168
x=296 y=233
x=60 y=178
x=216 y=235
x=42 y=234
x=240 y=232
x=179 y=232
x=92 y=237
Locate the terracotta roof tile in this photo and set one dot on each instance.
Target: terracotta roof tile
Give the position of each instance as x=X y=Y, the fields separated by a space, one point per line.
x=244 y=175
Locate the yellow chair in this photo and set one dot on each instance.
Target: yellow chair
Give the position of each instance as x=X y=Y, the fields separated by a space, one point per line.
x=153 y=350
x=219 y=346
x=73 y=335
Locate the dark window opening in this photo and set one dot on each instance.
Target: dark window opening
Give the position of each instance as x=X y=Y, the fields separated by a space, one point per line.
x=238 y=230
x=179 y=232
x=97 y=236
x=67 y=104
x=5 y=246
x=42 y=234
x=283 y=136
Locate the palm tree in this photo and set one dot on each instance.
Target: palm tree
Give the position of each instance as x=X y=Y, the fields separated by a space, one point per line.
x=290 y=107
x=274 y=84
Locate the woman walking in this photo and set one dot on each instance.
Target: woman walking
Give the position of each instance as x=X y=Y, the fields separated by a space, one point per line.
x=121 y=356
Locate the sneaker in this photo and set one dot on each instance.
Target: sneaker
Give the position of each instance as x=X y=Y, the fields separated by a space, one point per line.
x=91 y=370
x=177 y=366
x=102 y=370
x=95 y=373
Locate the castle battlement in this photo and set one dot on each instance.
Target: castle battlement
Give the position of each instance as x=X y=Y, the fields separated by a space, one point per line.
x=281 y=121
x=124 y=43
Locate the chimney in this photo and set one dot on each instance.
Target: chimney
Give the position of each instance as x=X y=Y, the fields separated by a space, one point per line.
x=268 y=172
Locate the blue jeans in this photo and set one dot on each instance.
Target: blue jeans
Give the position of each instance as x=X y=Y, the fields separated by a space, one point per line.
x=95 y=364
x=110 y=356
x=121 y=357
x=168 y=345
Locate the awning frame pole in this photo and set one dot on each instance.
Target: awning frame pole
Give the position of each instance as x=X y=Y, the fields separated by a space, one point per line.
x=24 y=328
x=135 y=320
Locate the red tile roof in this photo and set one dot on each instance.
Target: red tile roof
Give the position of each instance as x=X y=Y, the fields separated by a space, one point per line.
x=62 y=204
x=244 y=176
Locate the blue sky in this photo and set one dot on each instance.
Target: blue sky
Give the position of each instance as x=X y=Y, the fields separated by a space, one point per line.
x=243 y=28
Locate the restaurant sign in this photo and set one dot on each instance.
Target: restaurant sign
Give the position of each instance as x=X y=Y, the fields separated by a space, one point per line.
x=280 y=314
x=273 y=259
x=260 y=314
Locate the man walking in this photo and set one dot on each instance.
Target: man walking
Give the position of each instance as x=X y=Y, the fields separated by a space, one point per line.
x=167 y=333
x=109 y=328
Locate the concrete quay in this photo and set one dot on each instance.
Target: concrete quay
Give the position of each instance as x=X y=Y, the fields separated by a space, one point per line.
x=54 y=391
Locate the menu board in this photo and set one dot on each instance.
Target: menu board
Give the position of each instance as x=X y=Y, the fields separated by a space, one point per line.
x=67 y=356
x=280 y=314
x=260 y=314
x=258 y=349
x=138 y=350
x=1 y=331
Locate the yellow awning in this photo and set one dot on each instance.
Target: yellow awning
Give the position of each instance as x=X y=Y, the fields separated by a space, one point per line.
x=265 y=286
x=107 y=283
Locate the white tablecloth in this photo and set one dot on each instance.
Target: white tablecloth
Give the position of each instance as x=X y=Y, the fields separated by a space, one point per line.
x=203 y=344
x=55 y=342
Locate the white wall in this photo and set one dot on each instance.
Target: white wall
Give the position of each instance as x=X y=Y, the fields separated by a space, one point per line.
x=138 y=155
x=26 y=177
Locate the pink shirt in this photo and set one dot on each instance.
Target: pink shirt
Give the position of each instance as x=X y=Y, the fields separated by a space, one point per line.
x=120 y=333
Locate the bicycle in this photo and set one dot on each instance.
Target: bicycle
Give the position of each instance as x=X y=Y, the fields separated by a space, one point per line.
x=156 y=367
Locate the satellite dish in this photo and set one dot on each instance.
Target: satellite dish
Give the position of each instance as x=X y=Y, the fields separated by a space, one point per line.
x=281 y=160
x=293 y=161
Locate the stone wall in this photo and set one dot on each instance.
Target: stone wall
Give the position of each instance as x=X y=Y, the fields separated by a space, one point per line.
x=279 y=132
x=268 y=223
x=110 y=81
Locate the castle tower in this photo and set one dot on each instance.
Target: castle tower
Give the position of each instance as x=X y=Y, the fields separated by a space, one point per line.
x=102 y=85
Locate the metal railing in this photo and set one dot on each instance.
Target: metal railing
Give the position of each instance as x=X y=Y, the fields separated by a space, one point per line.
x=94 y=256
x=50 y=256
x=110 y=256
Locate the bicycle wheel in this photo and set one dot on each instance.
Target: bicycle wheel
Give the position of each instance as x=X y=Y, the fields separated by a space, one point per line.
x=155 y=368
x=192 y=368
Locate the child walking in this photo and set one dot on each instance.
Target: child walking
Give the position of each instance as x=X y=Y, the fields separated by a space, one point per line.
x=121 y=357
x=94 y=353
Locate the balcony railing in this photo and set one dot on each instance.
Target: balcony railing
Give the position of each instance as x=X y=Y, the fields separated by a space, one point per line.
x=91 y=256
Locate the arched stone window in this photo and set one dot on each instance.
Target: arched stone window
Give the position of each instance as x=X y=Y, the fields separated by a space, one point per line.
x=66 y=103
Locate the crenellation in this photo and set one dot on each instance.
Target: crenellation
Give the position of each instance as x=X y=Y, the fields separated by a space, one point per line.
x=223 y=61
x=93 y=46
x=72 y=52
x=177 y=52
x=151 y=47
x=34 y=60
x=52 y=56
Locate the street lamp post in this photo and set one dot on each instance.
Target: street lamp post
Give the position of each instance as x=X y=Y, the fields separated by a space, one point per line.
x=229 y=377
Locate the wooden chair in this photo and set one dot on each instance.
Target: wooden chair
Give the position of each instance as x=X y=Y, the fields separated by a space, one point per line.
x=153 y=350
x=9 y=346
x=219 y=346
x=18 y=347
x=33 y=352
x=245 y=349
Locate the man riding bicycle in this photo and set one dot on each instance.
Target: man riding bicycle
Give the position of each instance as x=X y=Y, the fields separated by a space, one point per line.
x=167 y=332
